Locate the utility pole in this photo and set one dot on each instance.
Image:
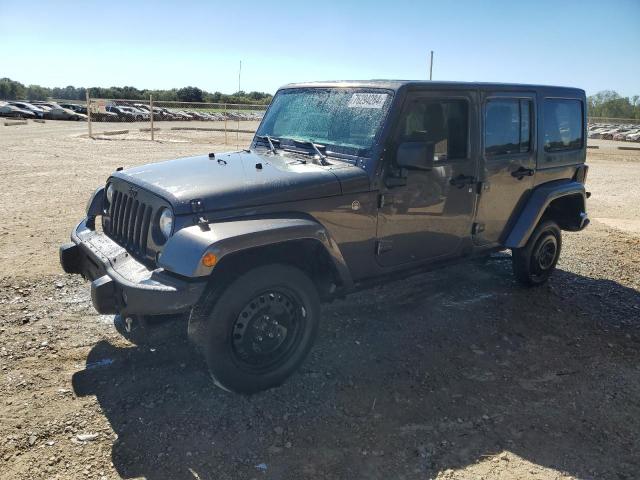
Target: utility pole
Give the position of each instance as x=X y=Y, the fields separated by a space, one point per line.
x=431 y=67
x=238 y=126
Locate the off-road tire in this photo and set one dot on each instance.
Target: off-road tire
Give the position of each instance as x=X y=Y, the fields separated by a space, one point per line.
x=233 y=318
x=534 y=263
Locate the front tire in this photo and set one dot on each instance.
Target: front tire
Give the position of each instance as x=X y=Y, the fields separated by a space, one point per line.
x=534 y=263
x=259 y=327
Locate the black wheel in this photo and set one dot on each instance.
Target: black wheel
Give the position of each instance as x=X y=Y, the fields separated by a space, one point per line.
x=535 y=262
x=259 y=327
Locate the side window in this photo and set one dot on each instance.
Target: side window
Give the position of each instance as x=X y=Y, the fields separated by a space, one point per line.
x=507 y=127
x=445 y=123
x=562 y=125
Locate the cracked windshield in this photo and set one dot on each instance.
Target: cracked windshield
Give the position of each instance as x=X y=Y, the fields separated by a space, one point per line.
x=344 y=120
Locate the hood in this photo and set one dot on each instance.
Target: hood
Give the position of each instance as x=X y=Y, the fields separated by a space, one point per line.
x=243 y=179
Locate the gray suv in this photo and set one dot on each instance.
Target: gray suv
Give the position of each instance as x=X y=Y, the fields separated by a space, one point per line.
x=345 y=185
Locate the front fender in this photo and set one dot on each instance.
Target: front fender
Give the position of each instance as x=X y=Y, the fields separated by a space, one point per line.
x=95 y=206
x=184 y=250
x=537 y=203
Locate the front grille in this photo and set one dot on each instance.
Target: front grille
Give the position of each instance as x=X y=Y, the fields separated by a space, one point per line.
x=130 y=221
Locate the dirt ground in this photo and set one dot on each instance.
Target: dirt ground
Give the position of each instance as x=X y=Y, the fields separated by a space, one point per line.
x=453 y=374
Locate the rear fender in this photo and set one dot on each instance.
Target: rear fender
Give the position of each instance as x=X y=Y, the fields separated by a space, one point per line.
x=184 y=250
x=540 y=201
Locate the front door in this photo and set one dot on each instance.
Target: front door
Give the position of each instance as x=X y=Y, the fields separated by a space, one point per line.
x=426 y=215
x=509 y=161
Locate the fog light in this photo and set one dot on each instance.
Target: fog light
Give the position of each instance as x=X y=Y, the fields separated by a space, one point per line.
x=209 y=259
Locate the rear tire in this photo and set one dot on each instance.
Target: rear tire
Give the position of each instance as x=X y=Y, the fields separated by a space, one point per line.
x=259 y=328
x=534 y=263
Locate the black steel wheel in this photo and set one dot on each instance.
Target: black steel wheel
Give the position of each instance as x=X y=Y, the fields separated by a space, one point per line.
x=535 y=262
x=267 y=329
x=259 y=327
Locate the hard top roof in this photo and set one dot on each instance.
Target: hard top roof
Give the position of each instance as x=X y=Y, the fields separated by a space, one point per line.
x=436 y=85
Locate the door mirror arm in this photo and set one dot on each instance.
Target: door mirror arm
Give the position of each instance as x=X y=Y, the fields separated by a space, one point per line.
x=396 y=177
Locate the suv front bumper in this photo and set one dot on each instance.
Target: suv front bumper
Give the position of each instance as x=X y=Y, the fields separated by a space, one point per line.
x=122 y=284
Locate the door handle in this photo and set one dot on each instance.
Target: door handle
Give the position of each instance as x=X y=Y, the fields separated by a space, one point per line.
x=522 y=172
x=461 y=180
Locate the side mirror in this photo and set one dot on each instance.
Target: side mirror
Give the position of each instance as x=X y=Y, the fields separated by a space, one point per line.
x=416 y=155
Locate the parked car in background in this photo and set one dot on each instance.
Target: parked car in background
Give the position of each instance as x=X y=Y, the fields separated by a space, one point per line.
x=163 y=114
x=135 y=113
x=125 y=113
x=60 y=113
x=95 y=116
x=75 y=107
x=622 y=135
x=198 y=115
x=183 y=115
x=12 y=111
x=55 y=111
x=633 y=137
x=38 y=112
x=620 y=132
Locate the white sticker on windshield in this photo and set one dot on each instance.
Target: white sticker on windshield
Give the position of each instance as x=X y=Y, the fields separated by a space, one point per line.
x=367 y=100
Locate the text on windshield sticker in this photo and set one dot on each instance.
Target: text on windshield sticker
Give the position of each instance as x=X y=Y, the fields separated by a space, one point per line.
x=367 y=100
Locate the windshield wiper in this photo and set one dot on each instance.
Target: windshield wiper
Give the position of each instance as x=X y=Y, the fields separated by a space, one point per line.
x=270 y=141
x=316 y=147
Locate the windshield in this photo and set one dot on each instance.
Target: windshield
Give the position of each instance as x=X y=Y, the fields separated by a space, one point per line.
x=345 y=120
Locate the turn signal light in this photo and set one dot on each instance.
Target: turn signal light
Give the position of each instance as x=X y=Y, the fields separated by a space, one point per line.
x=209 y=259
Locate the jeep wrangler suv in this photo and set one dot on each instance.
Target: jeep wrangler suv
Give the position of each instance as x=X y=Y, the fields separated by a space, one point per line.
x=345 y=184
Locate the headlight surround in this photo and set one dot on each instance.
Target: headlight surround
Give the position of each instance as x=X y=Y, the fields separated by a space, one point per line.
x=109 y=194
x=165 y=222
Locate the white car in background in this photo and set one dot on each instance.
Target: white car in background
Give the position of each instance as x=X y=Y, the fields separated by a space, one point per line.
x=633 y=137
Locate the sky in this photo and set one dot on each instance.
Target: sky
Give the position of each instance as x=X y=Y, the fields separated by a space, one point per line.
x=594 y=45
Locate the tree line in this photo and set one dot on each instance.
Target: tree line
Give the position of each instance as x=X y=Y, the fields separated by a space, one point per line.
x=603 y=104
x=13 y=90
x=611 y=105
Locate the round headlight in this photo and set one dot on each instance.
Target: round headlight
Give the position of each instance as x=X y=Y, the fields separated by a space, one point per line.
x=166 y=222
x=110 y=191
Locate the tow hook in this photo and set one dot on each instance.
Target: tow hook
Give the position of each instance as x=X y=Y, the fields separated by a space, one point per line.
x=127 y=324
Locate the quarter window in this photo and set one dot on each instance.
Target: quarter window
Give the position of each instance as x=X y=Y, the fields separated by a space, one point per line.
x=563 y=129
x=444 y=123
x=507 y=127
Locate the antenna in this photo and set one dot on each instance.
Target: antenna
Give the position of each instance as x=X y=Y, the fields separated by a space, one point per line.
x=431 y=67
x=239 y=75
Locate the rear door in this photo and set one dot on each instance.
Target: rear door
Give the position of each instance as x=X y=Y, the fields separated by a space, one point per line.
x=428 y=214
x=508 y=152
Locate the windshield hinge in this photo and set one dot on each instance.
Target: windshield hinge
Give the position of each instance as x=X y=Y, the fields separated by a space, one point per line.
x=203 y=223
x=383 y=246
x=482 y=187
x=477 y=228
x=384 y=199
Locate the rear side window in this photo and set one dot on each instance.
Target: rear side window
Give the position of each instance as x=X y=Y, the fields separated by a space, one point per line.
x=507 y=126
x=562 y=125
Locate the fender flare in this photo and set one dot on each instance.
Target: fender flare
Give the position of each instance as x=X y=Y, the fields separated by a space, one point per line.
x=535 y=206
x=94 y=207
x=184 y=250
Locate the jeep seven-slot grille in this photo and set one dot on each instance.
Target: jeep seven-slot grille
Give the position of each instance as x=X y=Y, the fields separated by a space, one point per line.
x=130 y=220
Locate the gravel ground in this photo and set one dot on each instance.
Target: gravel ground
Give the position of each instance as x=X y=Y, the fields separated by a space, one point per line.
x=456 y=374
